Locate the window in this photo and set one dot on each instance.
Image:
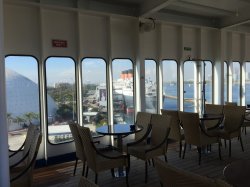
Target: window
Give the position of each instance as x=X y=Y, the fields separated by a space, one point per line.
x=150 y=86
x=61 y=98
x=236 y=82
x=169 y=72
x=208 y=81
x=94 y=92
x=247 y=84
x=22 y=93
x=225 y=82
x=123 y=91
x=189 y=86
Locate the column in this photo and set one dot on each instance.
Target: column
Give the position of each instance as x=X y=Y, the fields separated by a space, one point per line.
x=4 y=158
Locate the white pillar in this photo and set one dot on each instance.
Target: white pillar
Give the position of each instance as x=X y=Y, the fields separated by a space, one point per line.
x=4 y=158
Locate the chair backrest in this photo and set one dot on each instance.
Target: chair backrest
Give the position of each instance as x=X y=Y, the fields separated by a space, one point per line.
x=160 y=128
x=172 y=176
x=89 y=151
x=231 y=103
x=213 y=109
x=175 y=131
x=142 y=119
x=78 y=142
x=25 y=175
x=191 y=126
x=84 y=182
x=29 y=138
x=234 y=117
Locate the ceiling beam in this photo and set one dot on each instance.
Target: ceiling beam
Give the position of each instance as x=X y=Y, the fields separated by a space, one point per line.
x=149 y=7
x=240 y=18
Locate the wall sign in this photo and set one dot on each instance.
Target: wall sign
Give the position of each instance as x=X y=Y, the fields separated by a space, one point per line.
x=59 y=43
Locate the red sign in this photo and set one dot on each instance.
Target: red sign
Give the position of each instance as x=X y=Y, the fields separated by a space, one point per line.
x=59 y=43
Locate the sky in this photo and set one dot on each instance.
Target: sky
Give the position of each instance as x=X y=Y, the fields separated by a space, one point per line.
x=61 y=69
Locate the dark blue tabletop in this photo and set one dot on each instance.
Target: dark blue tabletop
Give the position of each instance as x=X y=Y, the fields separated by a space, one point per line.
x=118 y=129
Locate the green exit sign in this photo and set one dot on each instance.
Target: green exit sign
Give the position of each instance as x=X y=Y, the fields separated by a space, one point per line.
x=187 y=49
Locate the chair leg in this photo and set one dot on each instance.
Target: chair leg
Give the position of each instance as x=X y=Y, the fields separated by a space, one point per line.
x=87 y=171
x=199 y=151
x=225 y=142
x=229 y=147
x=75 y=166
x=166 y=159
x=83 y=168
x=153 y=163
x=127 y=171
x=185 y=145
x=180 y=149
x=146 y=171
x=241 y=143
x=113 y=172
x=219 y=150
x=96 y=177
x=245 y=130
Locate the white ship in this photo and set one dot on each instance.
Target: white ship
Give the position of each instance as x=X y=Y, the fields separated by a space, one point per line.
x=123 y=90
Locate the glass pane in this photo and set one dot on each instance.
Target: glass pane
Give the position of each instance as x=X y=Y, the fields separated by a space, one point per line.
x=22 y=92
x=236 y=82
x=61 y=98
x=123 y=91
x=169 y=69
x=150 y=86
x=225 y=81
x=94 y=92
x=189 y=86
x=247 y=86
x=208 y=81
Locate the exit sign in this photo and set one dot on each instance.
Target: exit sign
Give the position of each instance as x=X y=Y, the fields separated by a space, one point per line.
x=187 y=49
x=59 y=43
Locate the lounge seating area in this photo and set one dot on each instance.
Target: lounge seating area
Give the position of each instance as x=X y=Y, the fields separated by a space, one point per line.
x=62 y=175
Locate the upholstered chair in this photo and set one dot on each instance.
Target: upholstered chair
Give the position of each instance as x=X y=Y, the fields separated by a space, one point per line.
x=158 y=144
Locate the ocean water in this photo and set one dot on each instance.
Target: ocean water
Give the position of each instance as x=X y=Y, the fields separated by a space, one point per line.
x=171 y=89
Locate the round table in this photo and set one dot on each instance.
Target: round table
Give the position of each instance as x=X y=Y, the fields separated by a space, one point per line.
x=237 y=173
x=211 y=117
x=119 y=130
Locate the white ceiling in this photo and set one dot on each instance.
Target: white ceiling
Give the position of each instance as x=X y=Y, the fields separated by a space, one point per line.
x=212 y=13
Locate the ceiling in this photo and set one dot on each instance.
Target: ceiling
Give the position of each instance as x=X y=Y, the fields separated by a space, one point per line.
x=230 y=14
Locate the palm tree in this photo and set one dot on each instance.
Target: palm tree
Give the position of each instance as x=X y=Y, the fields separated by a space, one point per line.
x=30 y=116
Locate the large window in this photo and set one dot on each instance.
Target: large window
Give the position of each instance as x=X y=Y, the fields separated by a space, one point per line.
x=94 y=92
x=22 y=94
x=189 y=86
x=236 y=82
x=150 y=86
x=61 y=98
x=169 y=72
x=123 y=91
x=247 y=82
x=225 y=81
x=208 y=87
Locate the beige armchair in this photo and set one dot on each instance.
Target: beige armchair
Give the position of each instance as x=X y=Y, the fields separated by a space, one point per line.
x=25 y=146
x=158 y=144
x=234 y=118
x=213 y=109
x=78 y=145
x=100 y=160
x=175 y=132
x=172 y=176
x=196 y=135
x=21 y=173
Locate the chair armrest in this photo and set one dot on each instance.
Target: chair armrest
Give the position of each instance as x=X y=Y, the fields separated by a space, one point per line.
x=142 y=139
x=20 y=161
x=17 y=151
x=205 y=132
x=25 y=168
x=159 y=145
x=107 y=156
